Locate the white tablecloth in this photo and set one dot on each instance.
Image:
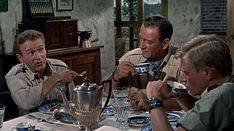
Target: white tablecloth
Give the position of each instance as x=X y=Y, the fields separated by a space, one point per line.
x=58 y=126
x=44 y=126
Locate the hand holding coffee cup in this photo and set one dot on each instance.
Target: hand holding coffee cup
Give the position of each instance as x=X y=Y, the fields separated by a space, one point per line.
x=123 y=70
x=174 y=86
x=141 y=76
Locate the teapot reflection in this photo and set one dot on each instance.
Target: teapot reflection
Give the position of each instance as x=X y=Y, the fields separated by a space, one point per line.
x=86 y=103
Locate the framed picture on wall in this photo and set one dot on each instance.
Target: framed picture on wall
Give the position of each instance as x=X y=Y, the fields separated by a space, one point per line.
x=64 y=5
x=3 y=5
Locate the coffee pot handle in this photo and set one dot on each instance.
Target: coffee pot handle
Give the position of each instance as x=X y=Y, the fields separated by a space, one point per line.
x=109 y=93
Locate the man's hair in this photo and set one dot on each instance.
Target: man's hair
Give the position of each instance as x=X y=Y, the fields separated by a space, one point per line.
x=207 y=50
x=165 y=26
x=27 y=35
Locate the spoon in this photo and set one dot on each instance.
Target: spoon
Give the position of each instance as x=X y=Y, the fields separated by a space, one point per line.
x=82 y=74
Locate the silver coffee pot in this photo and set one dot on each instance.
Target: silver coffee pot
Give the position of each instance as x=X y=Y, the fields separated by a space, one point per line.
x=86 y=103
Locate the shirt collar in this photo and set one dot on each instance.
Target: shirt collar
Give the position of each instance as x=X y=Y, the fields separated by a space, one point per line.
x=207 y=90
x=32 y=76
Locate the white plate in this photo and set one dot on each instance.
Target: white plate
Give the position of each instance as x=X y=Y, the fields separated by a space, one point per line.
x=139 y=121
x=172 y=116
x=149 y=127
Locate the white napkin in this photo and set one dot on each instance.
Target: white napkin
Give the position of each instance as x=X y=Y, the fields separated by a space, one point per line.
x=107 y=128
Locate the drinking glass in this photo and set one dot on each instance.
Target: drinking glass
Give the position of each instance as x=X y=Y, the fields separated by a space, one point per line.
x=121 y=112
x=121 y=93
x=121 y=105
x=2 y=111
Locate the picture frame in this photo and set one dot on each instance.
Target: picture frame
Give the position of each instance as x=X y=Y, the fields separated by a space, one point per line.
x=64 y=5
x=3 y=5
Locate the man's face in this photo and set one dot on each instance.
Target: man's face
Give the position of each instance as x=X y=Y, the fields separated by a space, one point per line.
x=33 y=54
x=194 y=80
x=150 y=43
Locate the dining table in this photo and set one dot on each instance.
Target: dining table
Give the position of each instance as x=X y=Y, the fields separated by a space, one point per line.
x=45 y=122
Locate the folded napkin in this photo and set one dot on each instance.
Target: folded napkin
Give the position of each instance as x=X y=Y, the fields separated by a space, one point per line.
x=107 y=128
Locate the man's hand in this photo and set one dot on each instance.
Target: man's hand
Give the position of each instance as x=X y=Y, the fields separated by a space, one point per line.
x=139 y=100
x=160 y=90
x=123 y=70
x=67 y=76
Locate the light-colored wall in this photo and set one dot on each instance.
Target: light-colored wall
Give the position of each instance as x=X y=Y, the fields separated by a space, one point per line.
x=95 y=15
x=185 y=17
x=98 y=15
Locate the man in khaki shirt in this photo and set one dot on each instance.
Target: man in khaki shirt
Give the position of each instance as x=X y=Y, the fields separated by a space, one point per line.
x=155 y=35
x=35 y=80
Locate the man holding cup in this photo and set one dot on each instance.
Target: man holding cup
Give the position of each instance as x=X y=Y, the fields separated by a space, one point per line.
x=155 y=35
x=206 y=67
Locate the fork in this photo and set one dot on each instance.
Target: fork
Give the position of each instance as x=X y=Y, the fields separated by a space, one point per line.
x=39 y=119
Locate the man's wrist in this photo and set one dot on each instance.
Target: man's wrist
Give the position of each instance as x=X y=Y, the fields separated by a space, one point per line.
x=113 y=77
x=154 y=102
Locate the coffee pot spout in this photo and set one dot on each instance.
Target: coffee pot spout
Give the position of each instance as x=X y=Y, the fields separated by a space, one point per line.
x=65 y=100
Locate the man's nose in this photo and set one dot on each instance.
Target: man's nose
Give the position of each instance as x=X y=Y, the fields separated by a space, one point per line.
x=142 y=44
x=182 y=79
x=38 y=55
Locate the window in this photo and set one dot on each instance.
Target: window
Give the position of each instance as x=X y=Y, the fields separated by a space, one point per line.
x=129 y=16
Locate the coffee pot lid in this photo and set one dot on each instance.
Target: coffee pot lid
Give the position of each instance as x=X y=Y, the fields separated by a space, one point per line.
x=86 y=86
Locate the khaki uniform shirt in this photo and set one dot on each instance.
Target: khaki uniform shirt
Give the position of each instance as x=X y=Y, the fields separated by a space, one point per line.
x=214 y=111
x=26 y=86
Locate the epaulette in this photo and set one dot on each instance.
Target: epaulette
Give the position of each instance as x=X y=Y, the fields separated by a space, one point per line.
x=56 y=62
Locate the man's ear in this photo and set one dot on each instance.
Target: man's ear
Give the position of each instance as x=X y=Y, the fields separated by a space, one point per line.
x=19 y=56
x=209 y=72
x=165 y=43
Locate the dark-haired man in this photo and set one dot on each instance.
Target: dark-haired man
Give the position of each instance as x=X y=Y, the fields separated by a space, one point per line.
x=155 y=35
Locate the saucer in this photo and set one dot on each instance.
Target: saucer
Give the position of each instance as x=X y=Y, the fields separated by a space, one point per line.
x=139 y=121
x=50 y=107
x=173 y=116
x=147 y=128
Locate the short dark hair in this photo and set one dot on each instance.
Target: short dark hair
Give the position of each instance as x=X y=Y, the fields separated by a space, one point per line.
x=27 y=35
x=165 y=26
